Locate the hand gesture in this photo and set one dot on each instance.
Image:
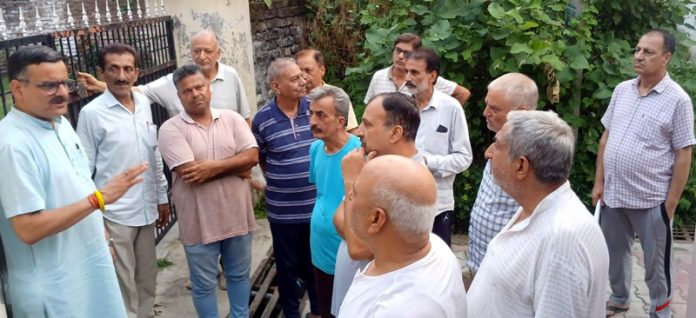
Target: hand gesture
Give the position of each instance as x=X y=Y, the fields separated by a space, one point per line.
x=90 y=83
x=163 y=210
x=120 y=183
x=353 y=163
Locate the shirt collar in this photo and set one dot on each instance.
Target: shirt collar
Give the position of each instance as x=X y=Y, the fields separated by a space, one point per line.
x=434 y=100
x=659 y=88
x=548 y=203
x=138 y=99
x=185 y=116
x=220 y=75
x=36 y=121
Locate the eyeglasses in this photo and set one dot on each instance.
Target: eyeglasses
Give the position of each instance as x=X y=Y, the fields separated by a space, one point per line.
x=398 y=51
x=51 y=87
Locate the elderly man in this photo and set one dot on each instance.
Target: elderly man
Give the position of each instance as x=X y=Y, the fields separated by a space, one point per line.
x=117 y=132
x=413 y=274
x=225 y=84
x=58 y=264
x=389 y=126
x=393 y=78
x=550 y=260
x=311 y=62
x=283 y=133
x=443 y=136
x=328 y=111
x=642 y=167
x=211 y=152
x=493 y=207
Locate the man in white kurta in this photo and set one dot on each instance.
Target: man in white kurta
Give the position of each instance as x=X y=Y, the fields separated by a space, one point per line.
x=551 y=259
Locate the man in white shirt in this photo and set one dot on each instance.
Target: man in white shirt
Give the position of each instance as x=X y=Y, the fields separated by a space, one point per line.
x=393 y=78
x=117 y=132
x=551 y=259
x=443 y=135
x=226 y=86
x=413 y=274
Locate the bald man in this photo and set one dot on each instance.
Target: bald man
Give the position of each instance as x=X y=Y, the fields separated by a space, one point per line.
x=414 y=273
x=226 y=86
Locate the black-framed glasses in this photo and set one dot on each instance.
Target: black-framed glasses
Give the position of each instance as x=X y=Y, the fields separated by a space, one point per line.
x=398 y=51
x=51 y=87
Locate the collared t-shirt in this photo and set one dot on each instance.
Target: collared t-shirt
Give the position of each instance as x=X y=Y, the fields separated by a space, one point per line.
x=226 y=89
x=220 y=208
x=284 y=153
x=643 y=133
x=68 y=274
x=443 y=140
x=382 y=83
x=429 y=287
x=325 y=172
x=492 y=210
x=114 y=140
x=553 y=264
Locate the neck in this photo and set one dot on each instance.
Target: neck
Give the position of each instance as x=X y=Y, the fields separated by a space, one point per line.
x=531 y=199
x=397 y=254
x=204 y=119
x=398 y=73
x=127 y=102
x=288 y=105
x=336 y=142
x=423 y=98
x=210 y=74
x=405 y=149
x=647 y=82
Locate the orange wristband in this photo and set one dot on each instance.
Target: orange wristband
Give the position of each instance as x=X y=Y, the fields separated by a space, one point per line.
x=93 y=201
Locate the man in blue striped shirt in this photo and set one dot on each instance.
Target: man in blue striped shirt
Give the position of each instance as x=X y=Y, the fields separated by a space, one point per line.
x=283 y=134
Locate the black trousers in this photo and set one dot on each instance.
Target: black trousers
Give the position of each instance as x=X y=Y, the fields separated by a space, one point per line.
x=442 y=226
x=294 y=267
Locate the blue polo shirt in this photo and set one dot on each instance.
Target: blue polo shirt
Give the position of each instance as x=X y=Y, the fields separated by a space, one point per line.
x=284 y=149
x=69 y=274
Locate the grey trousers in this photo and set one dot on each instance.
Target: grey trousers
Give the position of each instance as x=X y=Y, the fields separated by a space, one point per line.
x=136 y=266
x=654 y=230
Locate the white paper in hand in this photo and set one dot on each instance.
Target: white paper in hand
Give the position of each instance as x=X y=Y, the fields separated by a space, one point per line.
x=597 y=210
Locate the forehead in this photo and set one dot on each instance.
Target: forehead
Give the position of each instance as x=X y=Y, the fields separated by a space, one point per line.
x=203 y=42
x=306 y=60
x=47 y=71
x=120 y=59
x=416 y=64
x=496 y=96
x=323 y=104
x=407 y=46
x=290 y=70
x=651 y=41
x=375 y=109
x=192 y=81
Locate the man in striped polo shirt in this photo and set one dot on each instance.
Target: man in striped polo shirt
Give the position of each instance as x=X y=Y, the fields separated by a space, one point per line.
x=283 y=134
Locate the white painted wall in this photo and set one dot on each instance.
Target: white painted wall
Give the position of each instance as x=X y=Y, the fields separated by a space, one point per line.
x=229 y=19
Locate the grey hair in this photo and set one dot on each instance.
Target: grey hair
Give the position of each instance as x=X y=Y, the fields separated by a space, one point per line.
x=545 y=139
x=410 y=218
x=277 y=67
x=519 y=90
x=341 y=99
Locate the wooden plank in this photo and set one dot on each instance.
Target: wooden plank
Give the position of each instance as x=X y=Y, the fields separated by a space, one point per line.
x=262 y=291
x=271 y=304
x=263 y=267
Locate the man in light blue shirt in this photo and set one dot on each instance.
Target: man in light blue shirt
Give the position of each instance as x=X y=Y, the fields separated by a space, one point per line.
x=58 y=259
x=116 y=130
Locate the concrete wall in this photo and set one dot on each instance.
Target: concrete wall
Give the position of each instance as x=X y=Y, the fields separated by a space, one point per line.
x=229 y=19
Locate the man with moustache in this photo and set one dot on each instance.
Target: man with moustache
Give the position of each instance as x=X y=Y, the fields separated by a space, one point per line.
x=389 y=126
x=443 y=136
x=311 y=62
x=643 y=164
x=493 y=207
x=227 y=89
x=116 y=131
x=393 y=78
x=328 y=111
x=58 y=259
x=283 y=133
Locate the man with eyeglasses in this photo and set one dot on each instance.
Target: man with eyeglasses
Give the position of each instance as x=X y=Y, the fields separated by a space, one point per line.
x=58 y=259
x=393 y=78
x=116 y=130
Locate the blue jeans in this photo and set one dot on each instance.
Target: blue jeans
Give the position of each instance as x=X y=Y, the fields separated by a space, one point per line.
x=235 y=255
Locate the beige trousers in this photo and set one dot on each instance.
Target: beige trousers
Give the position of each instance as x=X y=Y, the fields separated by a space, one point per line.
x=136 y=266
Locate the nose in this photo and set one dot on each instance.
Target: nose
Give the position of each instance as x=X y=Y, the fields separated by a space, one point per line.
x=487 y=112
x=489 y=152
x=359 y=132
x=303 y=82
x=62 y=90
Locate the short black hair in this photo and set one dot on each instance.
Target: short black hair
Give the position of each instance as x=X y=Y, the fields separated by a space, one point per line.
x=401 y=110
x=668 y=42
x=117 y=48
x=316 y=54
x=432 y=60
x=409 y=38
x=30 y=55
x=184 y=72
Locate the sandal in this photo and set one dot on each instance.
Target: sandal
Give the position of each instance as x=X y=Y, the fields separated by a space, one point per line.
x=614 y=309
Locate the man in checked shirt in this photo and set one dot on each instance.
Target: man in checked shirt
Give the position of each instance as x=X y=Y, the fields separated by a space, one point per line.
x=642 y=167
x=493 y=207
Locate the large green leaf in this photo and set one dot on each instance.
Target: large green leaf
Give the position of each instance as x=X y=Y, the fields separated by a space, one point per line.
x=553 y=61
x=496 y=11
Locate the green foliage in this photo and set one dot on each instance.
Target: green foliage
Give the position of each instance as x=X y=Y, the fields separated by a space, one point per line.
x=576 y=56
x=163 y=263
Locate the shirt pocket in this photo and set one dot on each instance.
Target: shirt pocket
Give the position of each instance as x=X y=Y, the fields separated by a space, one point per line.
x=652 y=129
x=150 y=134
